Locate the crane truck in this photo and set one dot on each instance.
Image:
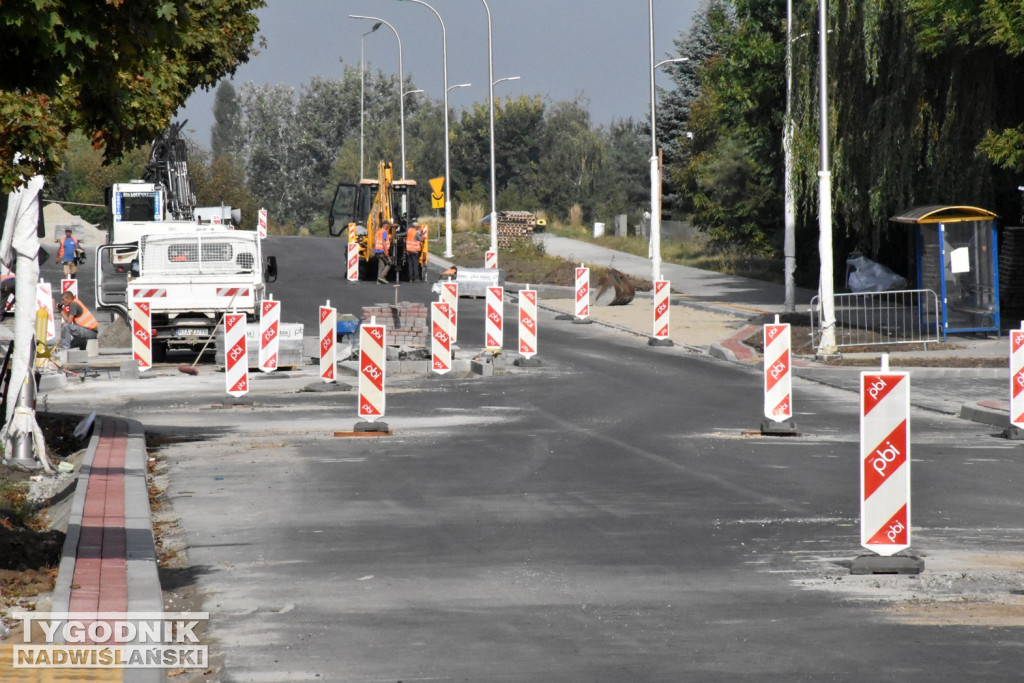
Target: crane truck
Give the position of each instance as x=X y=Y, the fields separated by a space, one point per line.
x=360 y=209
x=186 y=261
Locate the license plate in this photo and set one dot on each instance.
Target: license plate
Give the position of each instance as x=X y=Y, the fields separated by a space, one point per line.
x=192 y=332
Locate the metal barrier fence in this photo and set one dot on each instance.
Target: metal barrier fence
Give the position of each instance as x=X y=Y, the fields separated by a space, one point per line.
x=909 y=316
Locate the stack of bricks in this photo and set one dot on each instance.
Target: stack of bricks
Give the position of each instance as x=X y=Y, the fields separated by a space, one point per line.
x=405 y=323
x=514 y=226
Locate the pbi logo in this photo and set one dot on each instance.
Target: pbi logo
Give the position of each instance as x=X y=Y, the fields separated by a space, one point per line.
x=875 y=390
x=885 y=456
x=778 y=370
x=441 y=337
x=528 y=323
x=142 y=335
x=895 y=531
x=372 y=371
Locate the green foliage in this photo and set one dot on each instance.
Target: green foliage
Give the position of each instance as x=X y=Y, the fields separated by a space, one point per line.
x=114 y=70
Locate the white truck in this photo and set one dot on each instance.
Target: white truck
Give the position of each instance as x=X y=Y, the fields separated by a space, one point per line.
x=187 y=261
x=190 y=274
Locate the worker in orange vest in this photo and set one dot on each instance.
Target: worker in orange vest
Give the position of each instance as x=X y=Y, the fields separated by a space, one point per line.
x=79 y=323
x=413 y=248
x=6 y=292
x=66 y=254
x=382 y=248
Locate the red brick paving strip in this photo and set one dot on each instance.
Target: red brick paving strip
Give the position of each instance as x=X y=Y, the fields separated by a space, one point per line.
x=100 y=580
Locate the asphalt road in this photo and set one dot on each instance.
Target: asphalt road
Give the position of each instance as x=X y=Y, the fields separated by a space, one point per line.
x=607 y=517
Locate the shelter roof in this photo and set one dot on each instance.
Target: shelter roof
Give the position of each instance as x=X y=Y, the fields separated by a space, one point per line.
x=940 y=213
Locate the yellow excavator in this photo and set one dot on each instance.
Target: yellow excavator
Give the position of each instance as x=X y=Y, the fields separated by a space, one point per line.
x=361 y=210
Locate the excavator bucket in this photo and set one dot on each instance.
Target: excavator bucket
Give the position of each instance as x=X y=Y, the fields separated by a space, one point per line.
x=614 y=289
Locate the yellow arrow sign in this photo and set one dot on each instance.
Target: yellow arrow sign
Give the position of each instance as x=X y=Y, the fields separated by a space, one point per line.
x=437 y=194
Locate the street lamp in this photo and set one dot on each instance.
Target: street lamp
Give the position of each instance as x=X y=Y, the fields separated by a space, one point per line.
x=826 y=284
x=447 y=155
x=401 y=81
x=494 y=213
x=655 y=170
x=362 y=96
x=490 y=99
x=789 y=205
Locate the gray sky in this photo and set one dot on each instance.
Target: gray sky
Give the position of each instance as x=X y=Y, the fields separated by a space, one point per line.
x=598 y=49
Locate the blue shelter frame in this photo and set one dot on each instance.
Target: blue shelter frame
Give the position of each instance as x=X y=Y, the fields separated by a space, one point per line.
x=957 y=258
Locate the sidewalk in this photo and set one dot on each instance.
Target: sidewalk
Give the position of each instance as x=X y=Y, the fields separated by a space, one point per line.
x=109 y=559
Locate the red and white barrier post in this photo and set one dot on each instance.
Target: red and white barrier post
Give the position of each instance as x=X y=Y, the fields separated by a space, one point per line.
x=236 y=355
x=495 y=307
x=528 y=323
x=885 y=461
x=778 y=380
x=270 y=331
x=69 y=286
x=353 y=262
x=582 y=310
x=1016 y=428
x=450 y=296
x=372 y=370
x=328 y=336
x=490 y=260
x=261 y=225
x=662 y=289
x=44 y=300
x=142 y=334
x=440 y=340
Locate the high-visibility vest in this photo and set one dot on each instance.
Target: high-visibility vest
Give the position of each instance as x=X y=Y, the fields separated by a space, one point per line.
x=412 y=240
x=85 y=319
x=381 y=241
x=63 y=244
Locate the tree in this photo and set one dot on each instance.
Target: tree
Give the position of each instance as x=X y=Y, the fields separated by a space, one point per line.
x=697 y=46
x=572 y=161
x=115 y=71
x=733 y=176
x=518 y=145
x=228 y=133
x=623 y=186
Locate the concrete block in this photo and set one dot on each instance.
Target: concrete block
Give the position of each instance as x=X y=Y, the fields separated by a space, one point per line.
x=129 y=369
x=78 y=356
x=52 y=382
x=92 y=347
x=773 y=428
x=895 y=564
x=527 y=363
x=481 y=368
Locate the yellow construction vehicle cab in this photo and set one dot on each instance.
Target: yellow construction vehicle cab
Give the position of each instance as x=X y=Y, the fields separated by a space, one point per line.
x=361 y=210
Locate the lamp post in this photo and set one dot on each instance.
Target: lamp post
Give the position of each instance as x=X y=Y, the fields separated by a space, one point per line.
x=826 y=285
x=494 y=212
x=447 y=190
x=362 y=96
x=789 y=208
x=401 y=81
x=490 y=100
x=447 y=155
x=655 y=170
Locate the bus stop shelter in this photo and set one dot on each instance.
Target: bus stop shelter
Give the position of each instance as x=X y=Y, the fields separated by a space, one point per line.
x=957 y=258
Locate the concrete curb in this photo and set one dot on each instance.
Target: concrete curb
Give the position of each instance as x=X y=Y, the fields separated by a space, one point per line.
x=143 y=579
x=66 y=569
x=985 y=414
